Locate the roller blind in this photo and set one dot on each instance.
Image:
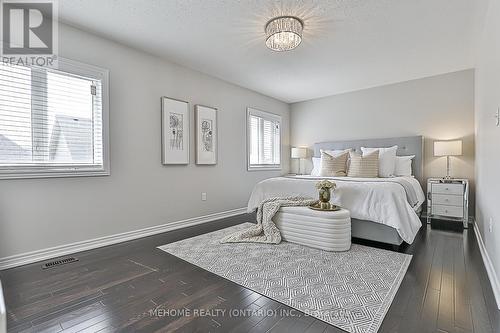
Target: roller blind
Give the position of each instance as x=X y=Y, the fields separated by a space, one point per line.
x=49 y=120
x=264 y=140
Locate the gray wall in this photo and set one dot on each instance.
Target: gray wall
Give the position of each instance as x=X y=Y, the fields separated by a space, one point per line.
x=41 y=213
x=488 y=137
x=439 y=108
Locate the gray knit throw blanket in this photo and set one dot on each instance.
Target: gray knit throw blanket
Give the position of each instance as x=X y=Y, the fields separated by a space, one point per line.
x=266 y=231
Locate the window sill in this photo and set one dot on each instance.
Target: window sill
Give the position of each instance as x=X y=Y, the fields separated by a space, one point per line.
x=264 y=168
x=53 y=174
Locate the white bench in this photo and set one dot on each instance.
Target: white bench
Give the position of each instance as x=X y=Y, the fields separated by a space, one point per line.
x=330 y=231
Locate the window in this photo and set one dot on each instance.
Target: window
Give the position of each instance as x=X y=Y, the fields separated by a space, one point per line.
x=53 y=123
x=264 y=140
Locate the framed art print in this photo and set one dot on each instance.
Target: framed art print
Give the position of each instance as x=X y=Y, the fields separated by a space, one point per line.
x=174 y=131
x=206 y=134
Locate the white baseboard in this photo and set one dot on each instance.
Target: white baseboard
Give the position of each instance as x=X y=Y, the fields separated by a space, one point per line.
x=57 y=251
x=492 y=275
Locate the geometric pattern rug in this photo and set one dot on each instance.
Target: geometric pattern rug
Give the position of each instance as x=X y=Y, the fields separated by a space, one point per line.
x=351 y=290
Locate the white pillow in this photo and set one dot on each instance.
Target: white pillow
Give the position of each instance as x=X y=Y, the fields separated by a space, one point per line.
x=316 y=166
x=386 y=160
x=403 y=166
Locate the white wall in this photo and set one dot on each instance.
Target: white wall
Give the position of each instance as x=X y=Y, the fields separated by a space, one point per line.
x=439 y=108
x=41 y=213
x=488 y=138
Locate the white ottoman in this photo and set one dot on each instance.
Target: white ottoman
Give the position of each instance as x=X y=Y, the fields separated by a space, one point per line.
x=330 y=231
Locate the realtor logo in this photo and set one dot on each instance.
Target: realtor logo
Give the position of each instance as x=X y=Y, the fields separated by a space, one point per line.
x=29 y=31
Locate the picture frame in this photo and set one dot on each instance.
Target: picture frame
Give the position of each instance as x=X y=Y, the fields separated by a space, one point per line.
x=206 y=129
x=174 y=131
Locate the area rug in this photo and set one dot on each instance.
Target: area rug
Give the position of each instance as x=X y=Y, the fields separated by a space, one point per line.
x=351 y=290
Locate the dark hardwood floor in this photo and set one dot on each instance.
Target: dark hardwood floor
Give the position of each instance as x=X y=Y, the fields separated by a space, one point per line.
x=114 y=288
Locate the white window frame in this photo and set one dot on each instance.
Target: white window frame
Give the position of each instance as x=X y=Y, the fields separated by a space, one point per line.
x=270 y=116
x=55 y=170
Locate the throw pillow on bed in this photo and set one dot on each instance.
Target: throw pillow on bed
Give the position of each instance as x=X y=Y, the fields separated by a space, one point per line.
x=333 y=166
x=364 y=166
x=403 y=165
x=336 y=152
x=386 y=160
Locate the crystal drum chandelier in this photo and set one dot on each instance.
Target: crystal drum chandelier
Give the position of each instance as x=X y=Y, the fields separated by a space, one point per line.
x=284 y=33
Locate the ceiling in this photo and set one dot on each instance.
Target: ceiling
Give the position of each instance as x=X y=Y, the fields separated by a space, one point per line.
x=348 y=44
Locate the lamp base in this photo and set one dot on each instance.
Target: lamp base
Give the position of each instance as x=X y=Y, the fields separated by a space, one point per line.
x=448 y=168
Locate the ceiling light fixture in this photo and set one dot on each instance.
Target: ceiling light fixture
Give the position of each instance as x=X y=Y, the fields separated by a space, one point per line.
x=284 y=33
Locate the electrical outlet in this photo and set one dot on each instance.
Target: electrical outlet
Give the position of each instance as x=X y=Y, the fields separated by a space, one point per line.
x=203 y=196
x=490 y=226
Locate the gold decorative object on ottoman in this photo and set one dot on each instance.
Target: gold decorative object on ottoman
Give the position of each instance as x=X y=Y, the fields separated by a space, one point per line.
x=324 y=190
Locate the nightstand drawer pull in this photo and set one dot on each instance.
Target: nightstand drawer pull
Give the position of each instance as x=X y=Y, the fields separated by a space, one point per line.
x=448 y=200
x=450 y=211
x=455 y=189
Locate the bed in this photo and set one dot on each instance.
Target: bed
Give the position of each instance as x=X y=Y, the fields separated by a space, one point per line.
x=382 y=209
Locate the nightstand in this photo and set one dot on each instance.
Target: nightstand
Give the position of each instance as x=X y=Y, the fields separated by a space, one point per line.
x=448 y=199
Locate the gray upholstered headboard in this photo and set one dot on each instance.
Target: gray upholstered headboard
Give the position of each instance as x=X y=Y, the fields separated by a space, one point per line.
x=410 y=145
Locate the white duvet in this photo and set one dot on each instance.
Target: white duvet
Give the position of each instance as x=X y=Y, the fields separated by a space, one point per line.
x=380 y=200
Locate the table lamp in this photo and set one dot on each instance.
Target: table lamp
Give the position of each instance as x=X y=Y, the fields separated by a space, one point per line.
x=300 y=153
x=448 y=148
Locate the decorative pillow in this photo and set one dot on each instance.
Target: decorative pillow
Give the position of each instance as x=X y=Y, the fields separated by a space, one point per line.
x=365 y=166
x=336 y=152
x=333 y=166
x=316 y=166
x=403 y=166
x=386 y=160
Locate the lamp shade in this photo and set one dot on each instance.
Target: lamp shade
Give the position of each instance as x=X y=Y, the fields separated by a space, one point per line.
x=299 y=152
x=448 y=148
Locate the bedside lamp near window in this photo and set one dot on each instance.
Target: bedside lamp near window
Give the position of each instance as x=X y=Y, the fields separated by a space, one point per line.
x=448 y=148
x=300 y=153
